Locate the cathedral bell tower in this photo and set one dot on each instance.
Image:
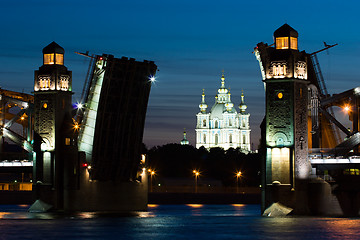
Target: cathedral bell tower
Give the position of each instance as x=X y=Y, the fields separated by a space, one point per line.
x=52 y=125
x=284 y=73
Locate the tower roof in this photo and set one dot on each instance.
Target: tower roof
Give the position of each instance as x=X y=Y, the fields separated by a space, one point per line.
x=53 y=48
x=285 y=31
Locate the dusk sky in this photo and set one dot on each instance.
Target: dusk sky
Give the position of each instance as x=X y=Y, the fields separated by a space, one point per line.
x=191 y=42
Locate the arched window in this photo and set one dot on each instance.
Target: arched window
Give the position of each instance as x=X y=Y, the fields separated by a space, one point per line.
x=216 y=139
x=230 y=138
x=216 y=124
x=230 y=122
x=244 y=139
x=204 y=123
x=204 y=138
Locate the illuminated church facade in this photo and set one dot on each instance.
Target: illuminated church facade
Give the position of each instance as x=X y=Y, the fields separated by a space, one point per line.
x=223 y=126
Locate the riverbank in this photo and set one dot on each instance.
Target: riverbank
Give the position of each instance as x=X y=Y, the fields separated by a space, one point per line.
x=25 y=197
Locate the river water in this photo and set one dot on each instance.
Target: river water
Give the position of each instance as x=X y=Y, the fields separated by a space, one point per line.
x=173 y=222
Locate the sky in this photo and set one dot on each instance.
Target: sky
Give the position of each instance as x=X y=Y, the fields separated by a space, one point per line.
x=191 y=42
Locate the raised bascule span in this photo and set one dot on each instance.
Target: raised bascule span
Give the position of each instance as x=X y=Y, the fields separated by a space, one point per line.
x=91 y=160
x=88 y=159
x=301 y=133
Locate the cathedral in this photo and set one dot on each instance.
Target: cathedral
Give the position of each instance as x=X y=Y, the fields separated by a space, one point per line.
x=223 y=126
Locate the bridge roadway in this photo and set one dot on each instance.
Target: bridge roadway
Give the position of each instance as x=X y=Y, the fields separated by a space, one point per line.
x=319 y=161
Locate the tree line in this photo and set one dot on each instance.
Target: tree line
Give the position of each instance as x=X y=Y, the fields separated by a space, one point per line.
x=179 y=161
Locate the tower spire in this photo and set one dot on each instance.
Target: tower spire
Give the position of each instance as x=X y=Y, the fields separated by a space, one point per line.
x=203 y=106
x=242 y=105
x=222 y=79
x=184 y=141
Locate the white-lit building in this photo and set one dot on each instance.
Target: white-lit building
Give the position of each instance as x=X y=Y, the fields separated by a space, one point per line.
x=223 y=126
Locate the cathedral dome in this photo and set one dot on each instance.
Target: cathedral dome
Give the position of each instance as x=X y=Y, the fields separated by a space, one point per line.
x=242 y=105
x=217 y=111
x=184 y=141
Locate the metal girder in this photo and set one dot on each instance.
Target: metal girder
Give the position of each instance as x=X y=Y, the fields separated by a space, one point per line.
x=337 y=99
x=336 y=122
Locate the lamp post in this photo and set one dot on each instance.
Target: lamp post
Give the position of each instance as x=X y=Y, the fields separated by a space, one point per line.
x=196 y=174
x=152 y=173
x=238 y=175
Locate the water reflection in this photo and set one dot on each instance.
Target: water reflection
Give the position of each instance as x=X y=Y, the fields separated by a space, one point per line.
x=192 y=221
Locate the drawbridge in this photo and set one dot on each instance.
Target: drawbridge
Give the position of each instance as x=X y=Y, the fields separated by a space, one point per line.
x=16 y=123
x=325 y=128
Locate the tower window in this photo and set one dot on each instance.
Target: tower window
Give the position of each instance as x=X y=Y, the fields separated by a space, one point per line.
x=54 y=58
x=44 y=82
x=59 y=58
x=293 y=43
x=230 y=138
x=204 y=138
x=216 y=124
x=204 y=123
x=230 y=122
x=49 y=58
x=216 y=139
x=67 y=141
x=282 y=43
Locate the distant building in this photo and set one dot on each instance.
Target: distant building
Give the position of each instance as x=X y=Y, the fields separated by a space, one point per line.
x=184 y=141
x=223 y=126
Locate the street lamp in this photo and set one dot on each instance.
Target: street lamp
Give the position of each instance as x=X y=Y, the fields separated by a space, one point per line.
x=196 y=174
x=238 y=175
x=152 y=173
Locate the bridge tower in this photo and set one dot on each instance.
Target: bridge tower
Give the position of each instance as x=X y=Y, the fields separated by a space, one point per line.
x=53 y=137
x=285 y=76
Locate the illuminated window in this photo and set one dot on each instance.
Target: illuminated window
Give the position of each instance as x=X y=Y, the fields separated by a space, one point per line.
x=49 y=58
x=352 y=172
x=300 y=70
x=67 y=141
x=282 y=43
x=59 y=58
x=63 y=84
x=293 y=43
x=44 y=82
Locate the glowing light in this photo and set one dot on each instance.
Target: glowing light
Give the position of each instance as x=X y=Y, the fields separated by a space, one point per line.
x=152 y=79
x=195 y=205
x=238 y=174
x=45 y=105
x=89 y=167
x=280 y=95
x=238 y=205
x=79 y=105
x=76 y=125
x=347 y=108
x=153 y=205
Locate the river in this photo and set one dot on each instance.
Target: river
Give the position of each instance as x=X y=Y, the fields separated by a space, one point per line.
x=198 y=222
